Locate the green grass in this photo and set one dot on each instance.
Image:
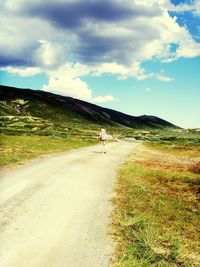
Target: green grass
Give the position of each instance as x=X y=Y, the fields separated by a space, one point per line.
x=17 y=149
x=39 y=117
x=156 y=215
x=177 y=149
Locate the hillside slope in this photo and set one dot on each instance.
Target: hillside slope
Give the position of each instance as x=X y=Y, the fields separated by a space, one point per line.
x=44 y=109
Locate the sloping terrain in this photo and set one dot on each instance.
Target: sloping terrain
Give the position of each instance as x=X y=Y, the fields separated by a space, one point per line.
x=38 y=110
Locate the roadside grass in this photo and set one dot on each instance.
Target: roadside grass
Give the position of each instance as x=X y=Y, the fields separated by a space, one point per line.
x=156 y=211
x=16 y=149
x=187 y=150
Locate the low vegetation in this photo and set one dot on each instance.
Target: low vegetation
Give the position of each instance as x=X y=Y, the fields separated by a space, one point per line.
x=18 y=148
x=33 y=128
x=180 y=143
x=156 y=215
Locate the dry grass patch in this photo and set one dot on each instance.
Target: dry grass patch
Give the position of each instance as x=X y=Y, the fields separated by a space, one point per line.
x=195 y=167
x=156 y=216
x=161 y=164
x=185 y=150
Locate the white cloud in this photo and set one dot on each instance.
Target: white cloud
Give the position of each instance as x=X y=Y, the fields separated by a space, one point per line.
x=49 y=54
x=168 y=60
x=163 y=78
x=66 y=81
x=103 y=99
x=35 y=34
x=134 y=71
x=188 y=49
x=140 y=34
x=23 y=72
x=123 y=72
x=197 y=8
x=182 y=7
x=193 y=7
x=20 y=41
x=14 y=5
x=68 y=86
x=172 y=33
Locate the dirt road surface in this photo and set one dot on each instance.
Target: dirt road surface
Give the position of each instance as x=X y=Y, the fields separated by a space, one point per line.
x=55 y=210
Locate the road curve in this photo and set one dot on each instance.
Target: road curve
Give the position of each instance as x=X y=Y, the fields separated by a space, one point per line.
x=55 y=210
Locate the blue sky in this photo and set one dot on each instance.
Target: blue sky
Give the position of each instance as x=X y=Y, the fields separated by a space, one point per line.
x=135 y=56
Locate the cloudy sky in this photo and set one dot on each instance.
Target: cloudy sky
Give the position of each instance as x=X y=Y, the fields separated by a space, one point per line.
x=135 y=56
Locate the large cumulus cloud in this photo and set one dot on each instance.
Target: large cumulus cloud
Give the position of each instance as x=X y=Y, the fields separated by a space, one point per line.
x=113 y=36
x=95 y=31
x=90 y=31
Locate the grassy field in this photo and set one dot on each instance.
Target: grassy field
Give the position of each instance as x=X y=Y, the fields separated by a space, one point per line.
x=16 y=149
x=192 y=151
x=156 y=215
x=156 y=208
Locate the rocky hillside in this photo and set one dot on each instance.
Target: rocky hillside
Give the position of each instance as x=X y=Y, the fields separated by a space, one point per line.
x=34 y=109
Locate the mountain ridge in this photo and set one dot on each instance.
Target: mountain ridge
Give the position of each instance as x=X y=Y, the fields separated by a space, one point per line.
x=88 y=111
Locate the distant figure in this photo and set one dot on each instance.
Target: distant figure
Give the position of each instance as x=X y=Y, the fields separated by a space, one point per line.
x=103 y=139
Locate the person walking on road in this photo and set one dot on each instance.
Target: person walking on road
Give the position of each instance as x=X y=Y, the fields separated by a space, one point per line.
x=103 y=139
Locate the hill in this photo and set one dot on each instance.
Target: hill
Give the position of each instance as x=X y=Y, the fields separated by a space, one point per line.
x=35 y=111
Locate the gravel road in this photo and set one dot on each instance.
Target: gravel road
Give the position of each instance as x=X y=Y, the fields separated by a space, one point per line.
x=55 y=210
